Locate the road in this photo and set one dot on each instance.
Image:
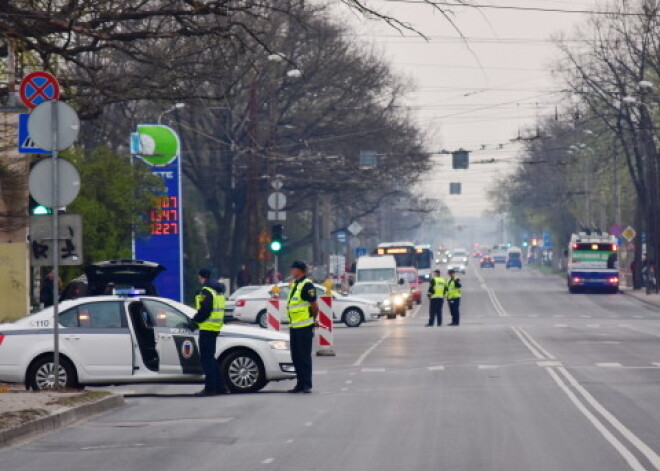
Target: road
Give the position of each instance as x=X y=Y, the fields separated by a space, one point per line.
x=533 y=379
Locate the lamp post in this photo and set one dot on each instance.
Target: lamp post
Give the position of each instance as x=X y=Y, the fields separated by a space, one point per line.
x=177 y=106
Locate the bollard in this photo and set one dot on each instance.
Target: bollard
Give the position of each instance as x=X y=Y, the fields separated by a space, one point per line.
x=325 y=327
x=273 y=319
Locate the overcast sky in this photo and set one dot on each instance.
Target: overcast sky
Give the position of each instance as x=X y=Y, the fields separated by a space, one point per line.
x=479 y=97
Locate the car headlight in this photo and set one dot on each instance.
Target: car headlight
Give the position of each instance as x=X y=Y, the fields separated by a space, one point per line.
x=398 y=301
x=387 y=302
x=406 y=295
x=279 y=345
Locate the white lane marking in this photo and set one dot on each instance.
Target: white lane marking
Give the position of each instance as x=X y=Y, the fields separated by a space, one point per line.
x=533 y=315
x=585 y=317
x=488 y=367
x=536 y=344
x=268 y=461
x=344 y=389
x=371 y=349
x=436 y=368
x=638 y=317
x=656 y=364
x=526 y=343
x=499 y=309
x=373 y=370
x=349 y=381
x=416 y=311
x=618 y=446
x=289 y=441
x=646 y=450
x=608 y=365
x=309 y=424
x=635 y=329
x=561 y=325
x=547 y=364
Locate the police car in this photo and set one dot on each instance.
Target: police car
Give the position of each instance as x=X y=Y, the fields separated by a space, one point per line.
x=138 y=339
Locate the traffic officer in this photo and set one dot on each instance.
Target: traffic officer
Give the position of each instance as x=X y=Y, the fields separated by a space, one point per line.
x=302 y=309
x=436 y=293
x=210 y=305
x=454 y=297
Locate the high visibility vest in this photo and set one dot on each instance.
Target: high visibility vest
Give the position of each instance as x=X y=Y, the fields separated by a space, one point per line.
x=217 y=318
x=297 y=308
x=453 y=291
x=439 y=286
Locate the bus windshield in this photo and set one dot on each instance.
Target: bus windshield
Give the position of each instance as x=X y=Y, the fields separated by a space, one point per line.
x=424 y=258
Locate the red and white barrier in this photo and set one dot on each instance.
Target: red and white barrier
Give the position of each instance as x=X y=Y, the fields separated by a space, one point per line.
x=273 y=314
x=325 y=327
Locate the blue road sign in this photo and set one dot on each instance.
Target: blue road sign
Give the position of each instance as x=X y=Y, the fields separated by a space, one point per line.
x=25 y=144
x=341 y=237
x=360 y=252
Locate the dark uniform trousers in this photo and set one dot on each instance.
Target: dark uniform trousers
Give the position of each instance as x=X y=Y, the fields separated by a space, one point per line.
x=454 y=309
x=214 y=382
x=435 y=310
x=301 y=353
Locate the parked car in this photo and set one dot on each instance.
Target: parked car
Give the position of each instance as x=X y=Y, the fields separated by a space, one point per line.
x=106 y=277
x=410 y=274
x=352 y=311
x=386 y=295
x=487 y=262
x=137 y=339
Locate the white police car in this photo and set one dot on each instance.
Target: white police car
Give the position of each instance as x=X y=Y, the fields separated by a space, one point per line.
x=141 y=339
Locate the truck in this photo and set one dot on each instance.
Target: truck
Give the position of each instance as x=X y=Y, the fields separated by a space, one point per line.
x=592 y=262
x=379 y=268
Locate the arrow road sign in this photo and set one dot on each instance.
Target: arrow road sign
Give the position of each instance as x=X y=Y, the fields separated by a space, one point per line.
x=25 y=143
x=38 y=87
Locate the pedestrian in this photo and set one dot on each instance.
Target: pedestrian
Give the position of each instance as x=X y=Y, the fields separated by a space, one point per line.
x=302 y=309
x=46 y=290
x=210 y=305
x=243 y=277
x=454 y=297
x=436 y=293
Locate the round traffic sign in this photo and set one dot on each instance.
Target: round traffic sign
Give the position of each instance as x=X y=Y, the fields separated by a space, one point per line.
x=37 y=87
x=41 y=183
x=40 y=125
x=277 y=201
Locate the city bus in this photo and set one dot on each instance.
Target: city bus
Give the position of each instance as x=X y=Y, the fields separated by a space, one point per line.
x=424 y=260
x=592 y=262
x=403 y=252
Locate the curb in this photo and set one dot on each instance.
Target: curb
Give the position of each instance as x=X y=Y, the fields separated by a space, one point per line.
x=640 y=299
x=59 y=420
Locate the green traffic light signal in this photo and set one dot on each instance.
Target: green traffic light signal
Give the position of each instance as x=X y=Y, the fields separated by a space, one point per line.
x=525 y=243
x=275 y=246
x=40 y=210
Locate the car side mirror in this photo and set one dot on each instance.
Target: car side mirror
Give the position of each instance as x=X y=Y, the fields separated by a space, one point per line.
x=401 y=281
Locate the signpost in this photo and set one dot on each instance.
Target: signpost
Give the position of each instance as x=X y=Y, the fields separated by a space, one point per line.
x=629 y=233
x=37 y=88
x=159 y=146
x=53 y=126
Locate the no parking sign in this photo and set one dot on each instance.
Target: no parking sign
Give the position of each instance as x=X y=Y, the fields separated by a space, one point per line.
x=37 y=87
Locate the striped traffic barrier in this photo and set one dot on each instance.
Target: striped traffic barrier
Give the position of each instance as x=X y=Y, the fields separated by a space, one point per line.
x=273 y=309
x=325 y=327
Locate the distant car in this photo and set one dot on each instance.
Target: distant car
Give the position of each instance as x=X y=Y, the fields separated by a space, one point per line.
x=458 y=264
x=384 y=294
x=135 y=339
x=477 y=254
x=352 y=311
x=105 y=277
x=487 y=262
x=514 y=258
x=230 y=302
x=410 y=274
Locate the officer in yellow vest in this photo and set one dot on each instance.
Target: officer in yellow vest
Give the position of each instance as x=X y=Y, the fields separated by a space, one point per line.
x=302 y=309
x=437 y=288
x=210 y=305
x=454 y=297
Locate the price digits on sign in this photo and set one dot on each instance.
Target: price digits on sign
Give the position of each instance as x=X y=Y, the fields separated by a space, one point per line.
x=165 y=217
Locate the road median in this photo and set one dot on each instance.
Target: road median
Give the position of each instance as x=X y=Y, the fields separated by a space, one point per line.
x=25 y=415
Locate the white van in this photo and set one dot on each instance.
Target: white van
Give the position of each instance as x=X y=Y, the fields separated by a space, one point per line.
x=382 y=268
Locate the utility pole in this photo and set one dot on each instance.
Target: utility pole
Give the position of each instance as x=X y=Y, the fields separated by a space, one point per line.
x=252 y=245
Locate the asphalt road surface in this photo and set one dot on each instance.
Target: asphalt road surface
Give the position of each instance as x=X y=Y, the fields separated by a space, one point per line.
x=533 y=379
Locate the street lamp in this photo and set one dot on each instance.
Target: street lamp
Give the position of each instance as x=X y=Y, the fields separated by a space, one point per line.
x=177 y=106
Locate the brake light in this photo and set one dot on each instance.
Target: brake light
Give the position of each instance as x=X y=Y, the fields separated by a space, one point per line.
x=2 y=338
x=576 y=279
x=241 y=303
x=614 y=280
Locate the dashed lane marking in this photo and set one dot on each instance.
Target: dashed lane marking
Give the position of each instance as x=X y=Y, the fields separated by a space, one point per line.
x=268 y=461
x=436 y=368
x=488 y=367
x=364 y=356
x=373 y=370
x=546 y=364
x=608 y=365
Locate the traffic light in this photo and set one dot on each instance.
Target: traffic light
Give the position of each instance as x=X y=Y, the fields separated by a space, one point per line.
x=276 y=238
x=525 y=243
x=535 y=242
x=37 y=209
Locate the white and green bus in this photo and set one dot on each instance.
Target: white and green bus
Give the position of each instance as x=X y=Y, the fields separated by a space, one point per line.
x=592 y=262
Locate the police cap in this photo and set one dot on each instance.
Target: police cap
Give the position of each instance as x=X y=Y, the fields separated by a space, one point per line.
x=299 y=265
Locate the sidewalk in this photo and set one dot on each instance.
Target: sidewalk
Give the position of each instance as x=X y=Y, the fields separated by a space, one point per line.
x=25 y=414
x=652 y=300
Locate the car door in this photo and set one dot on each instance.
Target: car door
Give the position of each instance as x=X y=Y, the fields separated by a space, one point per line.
x=97 y=337
x=176 y=343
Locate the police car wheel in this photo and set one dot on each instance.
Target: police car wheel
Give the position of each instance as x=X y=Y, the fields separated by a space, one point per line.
x=352 y=317
x=262 y=319
x=243 y=371
x=41 y=375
